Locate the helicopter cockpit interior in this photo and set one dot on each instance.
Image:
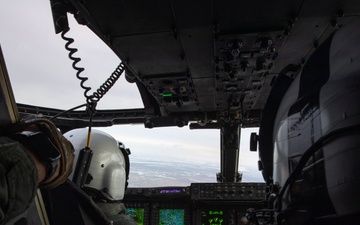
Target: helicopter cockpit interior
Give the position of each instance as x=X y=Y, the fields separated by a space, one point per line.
x=290 y=68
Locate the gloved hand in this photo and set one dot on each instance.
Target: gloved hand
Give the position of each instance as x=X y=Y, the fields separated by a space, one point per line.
x=40 y=124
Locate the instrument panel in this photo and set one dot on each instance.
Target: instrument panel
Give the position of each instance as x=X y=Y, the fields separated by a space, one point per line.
x=197 y=204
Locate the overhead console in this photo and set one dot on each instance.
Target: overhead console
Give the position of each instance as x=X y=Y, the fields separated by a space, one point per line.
x=199 y=203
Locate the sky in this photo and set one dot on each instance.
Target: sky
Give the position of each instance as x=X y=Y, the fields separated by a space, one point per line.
x=41 y=74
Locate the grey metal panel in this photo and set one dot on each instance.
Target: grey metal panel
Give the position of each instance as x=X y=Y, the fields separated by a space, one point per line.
x=8 y=109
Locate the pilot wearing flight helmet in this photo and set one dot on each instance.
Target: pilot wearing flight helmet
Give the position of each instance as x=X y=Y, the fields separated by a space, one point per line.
x=108 y=172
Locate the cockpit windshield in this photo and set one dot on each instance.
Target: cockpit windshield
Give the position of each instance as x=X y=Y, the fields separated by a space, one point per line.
x=179 y=156
x=170 y=156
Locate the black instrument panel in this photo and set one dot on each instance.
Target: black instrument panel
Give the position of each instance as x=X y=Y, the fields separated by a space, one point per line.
x=199 y=203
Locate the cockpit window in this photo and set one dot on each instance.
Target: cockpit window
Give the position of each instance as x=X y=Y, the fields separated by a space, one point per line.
x=164 y=156
x=179 y=156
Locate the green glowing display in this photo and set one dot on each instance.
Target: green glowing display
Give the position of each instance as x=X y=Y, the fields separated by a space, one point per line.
x=167 y=95
x=137 y=214
x=212 y=217
x=171 y=217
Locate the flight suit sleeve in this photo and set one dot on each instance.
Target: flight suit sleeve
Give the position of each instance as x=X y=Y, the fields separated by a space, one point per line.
x=18 y=179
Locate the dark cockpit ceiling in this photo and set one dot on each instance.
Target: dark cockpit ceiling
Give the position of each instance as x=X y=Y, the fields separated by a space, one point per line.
x=211 y=61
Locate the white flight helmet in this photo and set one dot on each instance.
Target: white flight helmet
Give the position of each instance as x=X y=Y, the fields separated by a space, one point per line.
x=107 y=168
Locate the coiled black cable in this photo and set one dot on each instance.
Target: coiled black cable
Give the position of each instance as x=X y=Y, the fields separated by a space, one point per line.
x=82 y=166
x=75 y=60
x=104 y=88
